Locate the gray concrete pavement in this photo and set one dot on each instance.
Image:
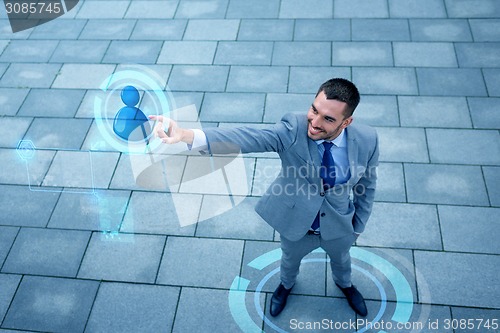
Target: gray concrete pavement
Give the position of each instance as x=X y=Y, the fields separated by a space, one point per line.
x=119 y=261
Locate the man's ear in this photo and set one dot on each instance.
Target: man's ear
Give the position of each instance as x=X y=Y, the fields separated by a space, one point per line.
x=346 y=122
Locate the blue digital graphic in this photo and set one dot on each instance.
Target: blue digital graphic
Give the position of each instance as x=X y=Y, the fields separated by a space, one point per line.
x=402 y=289
x=128 y=130
x=129 y=118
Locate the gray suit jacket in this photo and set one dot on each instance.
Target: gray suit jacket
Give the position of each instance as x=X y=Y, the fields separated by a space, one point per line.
x=291 y=203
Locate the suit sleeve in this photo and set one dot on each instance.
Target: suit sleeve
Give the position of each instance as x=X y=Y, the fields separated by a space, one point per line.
x=364 y=192
x=276 y=138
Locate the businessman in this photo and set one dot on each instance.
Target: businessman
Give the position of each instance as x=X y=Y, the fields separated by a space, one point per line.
x=324 y=193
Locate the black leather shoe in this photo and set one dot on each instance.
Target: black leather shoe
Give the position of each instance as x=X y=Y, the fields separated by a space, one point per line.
x=355 y=299
x=278 y=301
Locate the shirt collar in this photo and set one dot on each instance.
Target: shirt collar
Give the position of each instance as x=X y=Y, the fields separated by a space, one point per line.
x=339 y=141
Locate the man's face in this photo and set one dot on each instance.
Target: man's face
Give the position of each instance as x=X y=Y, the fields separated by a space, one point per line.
x=326 y=118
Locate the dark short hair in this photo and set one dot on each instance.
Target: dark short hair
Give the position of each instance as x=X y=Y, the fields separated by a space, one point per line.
x=341 y=90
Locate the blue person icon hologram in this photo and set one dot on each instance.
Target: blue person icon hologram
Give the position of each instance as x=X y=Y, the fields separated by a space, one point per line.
x=130 y=118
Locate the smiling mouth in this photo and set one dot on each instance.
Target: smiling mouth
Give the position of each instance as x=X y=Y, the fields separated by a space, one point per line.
x=314 y=130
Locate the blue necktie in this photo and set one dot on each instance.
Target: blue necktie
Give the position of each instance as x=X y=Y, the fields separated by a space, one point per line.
x=327 y=173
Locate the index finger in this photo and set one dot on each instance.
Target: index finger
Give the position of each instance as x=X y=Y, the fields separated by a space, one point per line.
x=153 y=117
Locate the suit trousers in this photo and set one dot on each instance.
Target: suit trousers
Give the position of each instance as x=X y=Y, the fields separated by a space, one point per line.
x=337 y=250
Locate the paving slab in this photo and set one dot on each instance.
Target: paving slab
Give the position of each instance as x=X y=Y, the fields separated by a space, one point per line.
x=244 y=53
x=461 y=146
x=277 y=105
x=95 y=141
x=400 y=225
x=52 y=103
x=311 y=9
x=7 y=237
x=101 y=211
x=124 y=307
x=208 y=265
x=24 y=75
x=208 y=310
x=390 y=183
x=266 y=30
x=427 y=111
x=80 y=169
x=256 y=249
x=417 y=8
x=3 y=67
x=492 y=78
x=478 y=54
x=402 y=144
x=103 y=9
x=479 y=290
x=104 y=29
x=58 y=133
x=202 y=9
x=307 y=79
x=314 y=30
x=123 y=177
x=485 y=30
x=60 y=29
x=158 y=213
x=360 y=9
x=377 y=111
x=86 y=109
x=470 y=9
x=51 y=304
x=424 y=54
x=385 y=80
x=379 y=30
x=245 y=107
x=13 y=130
x=11 y=99
x=258 y=79
x=451 y=82
x=147 y=29
x=483 y=112
x=187 y=52
x=28 y=51
x=492 y=178
x=482 y=319
x=124 y=257
x=6 y=30
x=198 y=78
x=212 y=30
x=81 y=51
x=154 y=9
x=47 y=252
x=362 y=54
x=302 y=54
x=254 y=9
x=440 y=30
x=240 y=222
x=26 y=172
x=136 y=52
x=424 y=318
x=445 y=184
x=8 y=283
x=469 y=229
x=83 y=76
